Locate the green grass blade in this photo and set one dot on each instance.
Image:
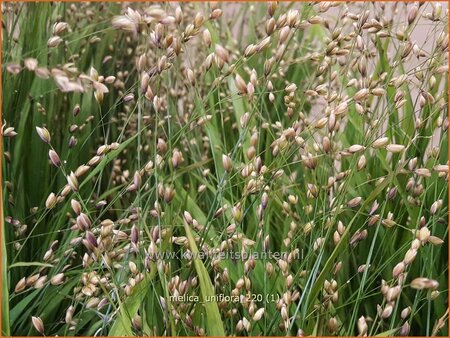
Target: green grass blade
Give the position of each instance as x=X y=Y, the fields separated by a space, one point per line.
x=213 y=319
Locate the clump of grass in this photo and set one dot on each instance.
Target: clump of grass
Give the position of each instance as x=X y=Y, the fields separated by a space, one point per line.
x=225 y=169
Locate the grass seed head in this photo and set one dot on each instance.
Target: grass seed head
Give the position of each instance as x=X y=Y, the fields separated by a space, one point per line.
x=422 y=283
x=38 y=324
x=72 y=181
x=43 y=134
x=51 y=201
x=54 y=158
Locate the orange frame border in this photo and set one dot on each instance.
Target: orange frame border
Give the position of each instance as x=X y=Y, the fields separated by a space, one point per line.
x=1 y=123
